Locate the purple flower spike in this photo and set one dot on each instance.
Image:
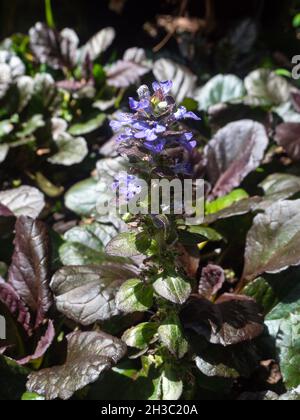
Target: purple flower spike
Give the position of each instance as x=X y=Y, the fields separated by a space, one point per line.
x=165 y=87
x=152 y=131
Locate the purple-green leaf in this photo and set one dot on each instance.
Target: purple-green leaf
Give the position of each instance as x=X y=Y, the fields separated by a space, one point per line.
x=234 y=152
x=273 y=243
x=89 y=355
x=87 y=294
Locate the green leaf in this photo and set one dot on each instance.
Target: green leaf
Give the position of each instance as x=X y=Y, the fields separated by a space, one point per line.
x=220 y=89
x=129 y=244
x=262 y=292
x=284 y=73
x=284 y=326
x=173 y=288
x=202 y=233
x=167 y=386
x=273 y=242
x=6 y=127
x=219 y=370
x=140 y=336
x=224 y=202
x=12 y=379
x=287 y=112
x=289 y=304
x=87 y=127
x=281 y=186
x=171 y=335
x=47 y=186
x=85 y=244
x=31 y=396
x=134 y=296
x=23 y=201
x=296 y=20
x=71 y=150
x=4 y=149
x=286 y=333
x=31 y=126
x=82 y=197
x=267 y=88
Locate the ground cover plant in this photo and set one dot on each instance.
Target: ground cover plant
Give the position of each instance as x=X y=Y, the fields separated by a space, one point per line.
x=101 y=306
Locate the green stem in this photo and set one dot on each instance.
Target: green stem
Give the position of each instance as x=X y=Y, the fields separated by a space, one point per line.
x=49 y=14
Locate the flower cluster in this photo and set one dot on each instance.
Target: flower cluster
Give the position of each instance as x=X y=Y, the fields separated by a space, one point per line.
x=153 y=133
x=127 y=185
x=154 y=123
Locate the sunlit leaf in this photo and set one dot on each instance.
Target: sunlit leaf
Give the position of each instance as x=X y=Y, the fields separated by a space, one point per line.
x=89 y=355
x=87 y=293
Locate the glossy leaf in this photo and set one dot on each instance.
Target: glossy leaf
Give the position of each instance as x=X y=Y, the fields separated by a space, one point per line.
x=228 y=163
x=265 y=86
x=220 y=89
x=29 y=273
x=140 y=336
x=85 y=244
x=90 y=354
x=134 y=296
x=171 y=334
x=272 y=241
x=173 y=288
x=23 y=201
x=184 y=81
x=87 y=294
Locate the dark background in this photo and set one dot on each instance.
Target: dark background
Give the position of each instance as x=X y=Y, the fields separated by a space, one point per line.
x=87 y=16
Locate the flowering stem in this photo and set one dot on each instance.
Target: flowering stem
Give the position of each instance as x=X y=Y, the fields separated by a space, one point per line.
x=49 y=14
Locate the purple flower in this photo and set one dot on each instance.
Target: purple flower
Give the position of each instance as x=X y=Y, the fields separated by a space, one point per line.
x=122 y=120
x=148 y=130
x=156 y=146
x=182 y=113
x=126 y=134
x=139 y=105
x=187 y=142
x=126 y=185
x=183 y=168
x=164 y=87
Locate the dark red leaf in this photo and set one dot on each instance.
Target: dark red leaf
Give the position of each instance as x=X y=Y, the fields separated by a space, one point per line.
x=42 y=346
x=10 y=298
x=288 y=136
x=234 y=152
x=57 y=49
x=232 y=320
x=5 y=212
x=29 y=272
